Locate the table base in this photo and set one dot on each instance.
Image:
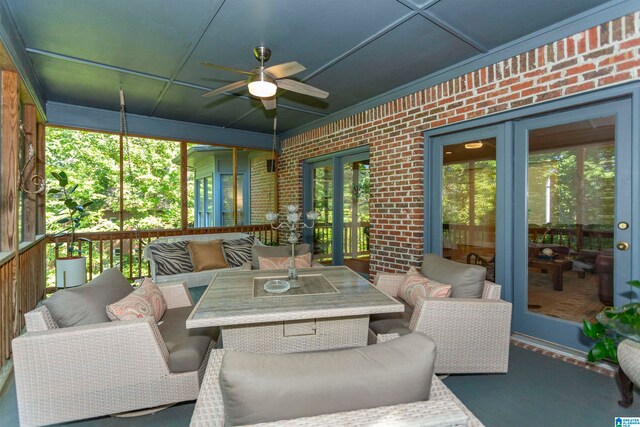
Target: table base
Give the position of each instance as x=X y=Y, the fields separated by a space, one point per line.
x=297 y=335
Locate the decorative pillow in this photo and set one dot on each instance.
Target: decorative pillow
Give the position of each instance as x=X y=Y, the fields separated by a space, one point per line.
x=269 y=263
x=276 y=251
x=133 y=306
x=416 y=286
x=154 y=297
x=172 y=258
x=207 y=255
x=238 y=251
x=413 y=272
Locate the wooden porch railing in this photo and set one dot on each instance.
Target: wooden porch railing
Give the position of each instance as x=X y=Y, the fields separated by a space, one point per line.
x=124 y=249
x=323 y=235
x=577 y=237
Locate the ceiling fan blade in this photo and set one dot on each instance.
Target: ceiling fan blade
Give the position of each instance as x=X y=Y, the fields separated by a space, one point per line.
x=222 y=67
x=285 y=70
x=305 y=89
x=226 y=88
x=269 y=103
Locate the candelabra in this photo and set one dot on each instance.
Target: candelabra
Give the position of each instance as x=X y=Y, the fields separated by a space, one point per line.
x=291 y=226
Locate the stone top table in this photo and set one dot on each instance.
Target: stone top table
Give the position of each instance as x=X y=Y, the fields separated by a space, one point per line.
x=330 y=311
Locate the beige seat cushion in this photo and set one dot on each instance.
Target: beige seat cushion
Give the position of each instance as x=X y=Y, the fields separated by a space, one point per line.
x=207 y=255
x=269 y=387
x=187 y=347
x=389 y=323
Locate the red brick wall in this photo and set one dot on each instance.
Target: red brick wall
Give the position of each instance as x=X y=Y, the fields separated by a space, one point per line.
x=601 y=56
x=262 y=191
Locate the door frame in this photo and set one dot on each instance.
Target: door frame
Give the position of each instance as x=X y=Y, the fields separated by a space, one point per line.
x=554 y=329
x=629 y=90
x=433 y=193
x=337 y=160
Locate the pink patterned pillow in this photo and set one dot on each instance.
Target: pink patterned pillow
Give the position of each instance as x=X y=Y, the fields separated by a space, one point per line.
x=275 y=263
x=146 y=300
x=155 y=298
x=133 y=306
x=408 y=275
x=416 y=287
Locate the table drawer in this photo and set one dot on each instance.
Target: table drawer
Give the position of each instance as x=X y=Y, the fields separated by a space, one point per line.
x=296 y=328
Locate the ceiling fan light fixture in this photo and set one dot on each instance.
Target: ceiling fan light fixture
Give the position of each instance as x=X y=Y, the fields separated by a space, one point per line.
x=262 y=86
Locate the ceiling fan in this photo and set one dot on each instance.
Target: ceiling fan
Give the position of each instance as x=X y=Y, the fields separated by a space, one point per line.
x=264 y=82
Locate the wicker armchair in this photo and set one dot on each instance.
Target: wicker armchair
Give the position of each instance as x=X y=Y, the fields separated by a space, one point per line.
x=442 y=409
x=471 y=334
x=65 y=374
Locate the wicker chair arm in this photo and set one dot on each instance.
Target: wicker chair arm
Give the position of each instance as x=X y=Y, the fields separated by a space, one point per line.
x=176 y=294
x=460 y=312
x=389 y=283
x=39 y=319
x=472 y=335
x=430 y=413
x=491 y=290
x=113 y=352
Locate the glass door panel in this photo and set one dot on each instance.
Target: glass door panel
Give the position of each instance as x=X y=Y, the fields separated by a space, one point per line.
x=571 y=201
x=469 y=203
x=572 y=187
x=322 y=202
x=355 y=234
x=227 y=200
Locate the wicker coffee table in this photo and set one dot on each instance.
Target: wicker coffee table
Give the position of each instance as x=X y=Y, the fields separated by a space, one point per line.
x=330 y=311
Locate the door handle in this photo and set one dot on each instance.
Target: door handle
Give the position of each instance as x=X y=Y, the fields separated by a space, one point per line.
x=622 y=246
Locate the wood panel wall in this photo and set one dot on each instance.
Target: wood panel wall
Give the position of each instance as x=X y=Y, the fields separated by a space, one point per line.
x=22 y=272
x=8 y=300
x=9 y=137
x=29 y=169
x=31 y=276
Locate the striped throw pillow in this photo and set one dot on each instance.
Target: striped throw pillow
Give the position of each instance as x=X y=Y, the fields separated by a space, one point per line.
x=172 y=258
x=238 y=251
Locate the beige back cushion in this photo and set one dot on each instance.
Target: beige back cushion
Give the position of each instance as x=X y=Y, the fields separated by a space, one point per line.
x=260 y=388
x=87 y=304
x=467 y=281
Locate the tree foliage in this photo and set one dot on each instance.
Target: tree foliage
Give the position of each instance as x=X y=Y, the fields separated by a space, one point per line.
x=151 y=178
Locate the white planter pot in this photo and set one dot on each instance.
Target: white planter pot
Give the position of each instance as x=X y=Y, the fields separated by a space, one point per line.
x=71 y=272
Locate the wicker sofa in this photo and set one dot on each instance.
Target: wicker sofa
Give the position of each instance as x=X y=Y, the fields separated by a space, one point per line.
x=472 y=334
x=192 y=279
x=71 y=373
x=442 y=408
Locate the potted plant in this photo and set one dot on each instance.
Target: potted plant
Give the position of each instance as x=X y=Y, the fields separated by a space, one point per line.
x=617 y=332
x=613 y=325
x=71 y=270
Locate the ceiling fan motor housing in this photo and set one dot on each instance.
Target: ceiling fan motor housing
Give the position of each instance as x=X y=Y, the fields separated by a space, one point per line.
x=262 y=53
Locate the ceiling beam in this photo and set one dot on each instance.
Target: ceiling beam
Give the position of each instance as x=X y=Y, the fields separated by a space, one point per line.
x=457 y=33
x=565 y=28
x=340 y=57
x=190 y=49
x=146 y=75
x=95 y=119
